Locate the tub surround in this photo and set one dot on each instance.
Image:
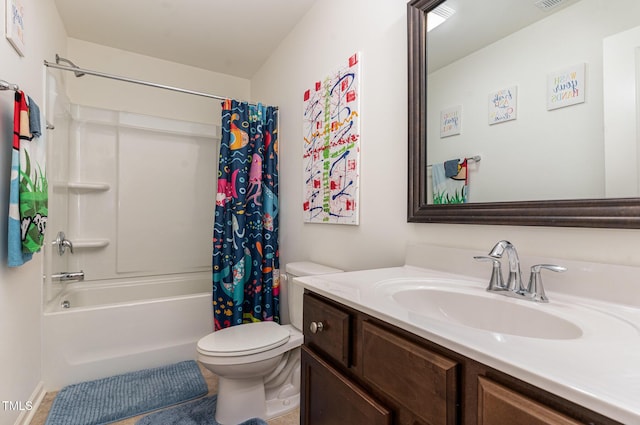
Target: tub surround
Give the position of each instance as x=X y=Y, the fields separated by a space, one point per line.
x=111 y=206
x=594 y=370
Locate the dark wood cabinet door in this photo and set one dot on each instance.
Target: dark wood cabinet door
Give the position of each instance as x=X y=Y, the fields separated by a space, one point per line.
x=329 y=398
x=331 y=329
x=499 y=405
x=417 y=378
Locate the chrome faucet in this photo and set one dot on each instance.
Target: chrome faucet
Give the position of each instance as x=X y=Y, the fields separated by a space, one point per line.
x=514 y=281
x=534 y=291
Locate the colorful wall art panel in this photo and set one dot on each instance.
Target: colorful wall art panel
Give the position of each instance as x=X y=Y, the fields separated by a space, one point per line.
x=15 y=24
x=503 y=105
x=331 y=152
x=450 y=121
x=566 y=87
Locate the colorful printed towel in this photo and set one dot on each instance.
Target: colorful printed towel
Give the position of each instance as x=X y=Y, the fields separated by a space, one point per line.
x=449 y=187
x=28 y=199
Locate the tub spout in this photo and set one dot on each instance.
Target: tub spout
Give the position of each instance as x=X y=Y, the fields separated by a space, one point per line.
x=67 y=276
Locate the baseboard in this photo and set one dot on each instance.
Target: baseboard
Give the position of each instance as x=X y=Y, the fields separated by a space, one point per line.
x=36 y=398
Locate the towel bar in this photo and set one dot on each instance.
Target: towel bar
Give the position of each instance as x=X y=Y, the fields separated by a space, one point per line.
x=475 y=158
x=8 y=86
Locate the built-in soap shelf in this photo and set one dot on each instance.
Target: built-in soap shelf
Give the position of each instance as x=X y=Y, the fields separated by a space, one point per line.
x=90 y=243
x=82 y=187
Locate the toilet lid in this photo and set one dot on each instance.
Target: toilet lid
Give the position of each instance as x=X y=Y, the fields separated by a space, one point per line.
x=244 y=339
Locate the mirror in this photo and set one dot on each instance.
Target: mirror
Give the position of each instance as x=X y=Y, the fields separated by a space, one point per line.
x=517 y=181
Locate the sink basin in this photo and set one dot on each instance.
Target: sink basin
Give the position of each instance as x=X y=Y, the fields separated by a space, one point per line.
x=490 y=312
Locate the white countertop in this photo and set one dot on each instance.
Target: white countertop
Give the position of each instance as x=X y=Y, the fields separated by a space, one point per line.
x=599 y=370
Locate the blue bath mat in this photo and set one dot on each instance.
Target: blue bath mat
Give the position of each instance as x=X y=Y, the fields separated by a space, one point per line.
x=118 y=397
x=199 y=412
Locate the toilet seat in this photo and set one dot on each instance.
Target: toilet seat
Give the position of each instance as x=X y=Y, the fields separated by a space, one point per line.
x=242 y=340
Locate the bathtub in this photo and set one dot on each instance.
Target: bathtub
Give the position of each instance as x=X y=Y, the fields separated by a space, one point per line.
x=97 y=329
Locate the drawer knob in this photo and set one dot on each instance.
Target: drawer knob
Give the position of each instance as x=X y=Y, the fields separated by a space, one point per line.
x=316 y=327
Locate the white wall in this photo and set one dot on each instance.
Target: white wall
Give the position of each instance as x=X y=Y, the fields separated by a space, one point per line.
x=20 y=288
x=328 y=34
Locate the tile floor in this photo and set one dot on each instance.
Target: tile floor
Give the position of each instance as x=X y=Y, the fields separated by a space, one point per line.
x=40 y=417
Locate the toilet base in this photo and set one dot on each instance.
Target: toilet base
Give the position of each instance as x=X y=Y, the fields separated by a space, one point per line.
x=248 y=397
x=280 y=407
x=283 y=390
x=239 y=400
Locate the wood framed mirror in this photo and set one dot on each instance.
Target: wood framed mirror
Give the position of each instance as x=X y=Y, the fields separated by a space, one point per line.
x=615 y=212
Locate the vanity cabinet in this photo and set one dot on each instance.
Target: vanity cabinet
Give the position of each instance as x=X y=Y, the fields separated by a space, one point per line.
x=357 y=369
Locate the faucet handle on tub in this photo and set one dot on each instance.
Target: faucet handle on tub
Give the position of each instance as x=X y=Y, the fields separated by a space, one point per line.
x=63 y=243
x=496 y=283
x=535 y=290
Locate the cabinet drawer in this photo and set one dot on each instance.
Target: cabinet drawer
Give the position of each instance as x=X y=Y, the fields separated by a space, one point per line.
x=499 y=405
x=331 y=399
x=417 y=378
x=327 y=329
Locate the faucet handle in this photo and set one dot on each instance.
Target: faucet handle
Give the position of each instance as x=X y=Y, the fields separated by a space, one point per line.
x=535 y=290
x=496 y=283
x=63 y=243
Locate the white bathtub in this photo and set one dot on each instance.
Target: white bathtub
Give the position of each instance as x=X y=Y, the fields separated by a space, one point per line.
x=113 y=327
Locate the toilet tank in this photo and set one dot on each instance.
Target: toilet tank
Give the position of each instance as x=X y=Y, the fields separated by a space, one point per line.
x=296 y=292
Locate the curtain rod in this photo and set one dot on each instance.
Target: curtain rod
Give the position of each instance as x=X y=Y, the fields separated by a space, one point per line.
x=130 y=80
x=77 y=70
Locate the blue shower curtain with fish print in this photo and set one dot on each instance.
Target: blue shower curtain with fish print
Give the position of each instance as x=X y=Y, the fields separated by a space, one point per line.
x=246 y=268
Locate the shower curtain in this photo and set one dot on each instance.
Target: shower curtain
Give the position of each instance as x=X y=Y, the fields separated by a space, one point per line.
x=246 y=269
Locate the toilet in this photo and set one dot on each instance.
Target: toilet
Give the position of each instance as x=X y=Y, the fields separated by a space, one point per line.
x=258 y=364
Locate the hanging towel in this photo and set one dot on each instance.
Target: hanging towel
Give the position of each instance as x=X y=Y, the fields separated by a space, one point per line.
x=14 y=238
x=34 y=118
x=451 y=167
x=28 y=185
x=453 y=189
x=33 y=184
